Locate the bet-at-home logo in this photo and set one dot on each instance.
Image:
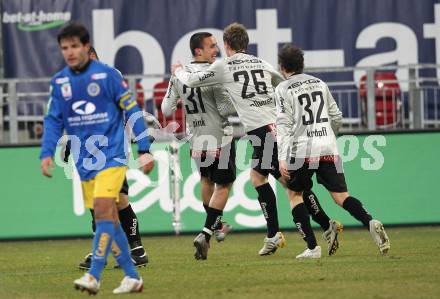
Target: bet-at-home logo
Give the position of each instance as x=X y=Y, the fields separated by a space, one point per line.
x=36 y=21
x=190 y=199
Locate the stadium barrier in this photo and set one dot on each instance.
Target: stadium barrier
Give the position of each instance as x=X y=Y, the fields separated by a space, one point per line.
x=375 y=99
x=393 y=174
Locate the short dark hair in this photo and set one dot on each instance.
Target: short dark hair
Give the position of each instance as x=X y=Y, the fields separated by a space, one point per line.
x=74 y=29
x=93 y=51
x=196 y=41
x=291 y=58
x=236 y=36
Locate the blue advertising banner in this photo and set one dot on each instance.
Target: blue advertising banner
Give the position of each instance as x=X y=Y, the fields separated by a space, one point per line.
x=145 y=37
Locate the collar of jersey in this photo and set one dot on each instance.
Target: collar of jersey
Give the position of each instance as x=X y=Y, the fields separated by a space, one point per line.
x=199 y=62
x=293 y=75
x=83 y=69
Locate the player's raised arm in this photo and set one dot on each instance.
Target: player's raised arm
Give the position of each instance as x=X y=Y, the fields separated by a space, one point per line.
x=333 y=112
x=169 y=102
x=53 y=130
x=223 y=101
x=277 y=78
x=212 y=75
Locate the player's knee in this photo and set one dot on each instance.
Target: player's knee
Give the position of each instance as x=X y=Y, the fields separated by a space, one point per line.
x=123 y=201
x=223 y=189
x=103 y=208
x=258 y=179
x=283 y=181
x=295 y=197
x=339 y=197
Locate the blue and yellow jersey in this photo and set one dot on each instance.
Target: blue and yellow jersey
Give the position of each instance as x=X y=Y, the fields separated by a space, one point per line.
x=90 y=106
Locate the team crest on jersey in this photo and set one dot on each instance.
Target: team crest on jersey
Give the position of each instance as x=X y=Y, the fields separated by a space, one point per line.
x=66 y=91
x=93 y=89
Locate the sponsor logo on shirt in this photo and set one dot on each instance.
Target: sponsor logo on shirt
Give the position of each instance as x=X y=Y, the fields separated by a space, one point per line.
x=239 y=61
x=317 y=133
x=298 y=84
x=261 y=103
x=83 y=107
x=86 y=114
x=93 y=89
x=282 y=108
x=62 y=80
x=66 y=91
x=99 y=76
x=199 y=123
x=206 y=76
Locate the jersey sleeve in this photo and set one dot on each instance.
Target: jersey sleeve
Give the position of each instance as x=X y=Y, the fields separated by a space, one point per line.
x=223 y=101
x=169 y=102
x=212 y=75
x=285 y=123
x=53 y=125
x=277 y=78
x=124 y=98
x=333 y=112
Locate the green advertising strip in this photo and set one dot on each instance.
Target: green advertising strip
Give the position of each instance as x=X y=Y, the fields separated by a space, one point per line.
x=394 y=175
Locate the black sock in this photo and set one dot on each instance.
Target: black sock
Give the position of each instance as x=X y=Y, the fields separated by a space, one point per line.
x=93 y=221
x=129 y=223
x=357 y=210
x=268 y=204
x=302 y=221
x=315 y=210
x=213 y=218
x=206 y=207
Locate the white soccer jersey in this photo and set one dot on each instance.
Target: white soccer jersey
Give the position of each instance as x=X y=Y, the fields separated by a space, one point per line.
x=307 y=118
x=206 y=110
x=249 y=81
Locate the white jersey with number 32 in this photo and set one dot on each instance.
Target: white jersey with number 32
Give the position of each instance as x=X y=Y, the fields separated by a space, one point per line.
x=307 y=118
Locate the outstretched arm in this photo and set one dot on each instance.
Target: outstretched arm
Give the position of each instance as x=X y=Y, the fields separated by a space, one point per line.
x=169 y=102
x=212 y=75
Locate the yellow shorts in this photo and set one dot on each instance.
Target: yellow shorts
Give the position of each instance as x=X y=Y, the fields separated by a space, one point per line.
x=105 y=184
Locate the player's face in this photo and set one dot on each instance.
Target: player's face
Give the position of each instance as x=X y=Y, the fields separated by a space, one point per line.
x=75 y=53
x=93 y=56
x=210 y=49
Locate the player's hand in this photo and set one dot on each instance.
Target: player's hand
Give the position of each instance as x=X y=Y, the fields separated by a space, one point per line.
x=47 y=166
x=174 y=67
x=283 y=169
x=146 y=162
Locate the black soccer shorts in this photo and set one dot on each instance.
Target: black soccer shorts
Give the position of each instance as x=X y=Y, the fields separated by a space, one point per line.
x=217 y=165
x=265 y=154
x=329 y=173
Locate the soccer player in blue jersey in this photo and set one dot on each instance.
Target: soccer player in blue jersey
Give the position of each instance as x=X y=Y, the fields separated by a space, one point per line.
x=88 y=99
x=127 y=217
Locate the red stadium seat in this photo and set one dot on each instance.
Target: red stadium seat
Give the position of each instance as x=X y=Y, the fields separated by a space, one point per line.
x=388 y=99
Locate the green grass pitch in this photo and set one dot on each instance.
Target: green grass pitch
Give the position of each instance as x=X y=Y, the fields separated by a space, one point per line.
x=46 y=269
